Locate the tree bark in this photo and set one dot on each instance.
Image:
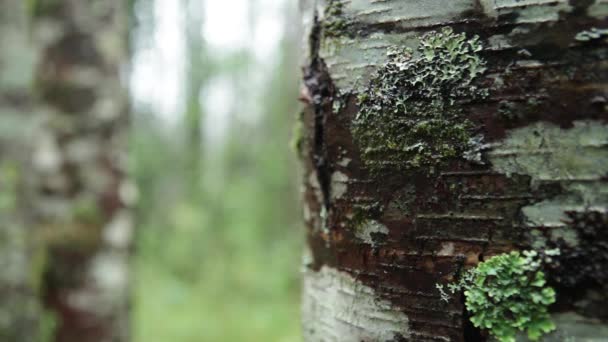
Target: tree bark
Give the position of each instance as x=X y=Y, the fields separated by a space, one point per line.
x=65 y=108
x=21 y=312
x=500 y=146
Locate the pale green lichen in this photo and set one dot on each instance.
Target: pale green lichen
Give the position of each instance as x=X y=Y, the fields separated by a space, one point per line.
x=548 y=153
x=410 y=115
x=592 y=34
x=508 y=294
x=369 y=230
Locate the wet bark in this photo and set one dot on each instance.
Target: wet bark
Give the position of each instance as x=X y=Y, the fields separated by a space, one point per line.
x=69 y=111
x=385 y=224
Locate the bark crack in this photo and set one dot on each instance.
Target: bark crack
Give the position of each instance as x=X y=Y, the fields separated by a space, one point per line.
x=321 y=90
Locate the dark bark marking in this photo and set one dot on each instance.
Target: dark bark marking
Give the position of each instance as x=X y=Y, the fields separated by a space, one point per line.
x=321 y=90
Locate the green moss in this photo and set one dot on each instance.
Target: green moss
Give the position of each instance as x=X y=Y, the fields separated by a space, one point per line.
x=507 y=294
x=409 y=115
x=297 y=135
x=334 y=23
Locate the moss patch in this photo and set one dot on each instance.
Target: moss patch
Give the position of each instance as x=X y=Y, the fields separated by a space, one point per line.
x=334 y=23
x=410 y=114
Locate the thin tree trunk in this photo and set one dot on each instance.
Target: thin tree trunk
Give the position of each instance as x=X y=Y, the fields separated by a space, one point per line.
x=421 y=163
x=196 y=75
x=77 y=189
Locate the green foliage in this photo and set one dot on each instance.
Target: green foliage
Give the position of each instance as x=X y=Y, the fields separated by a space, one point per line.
x=216 y=257
x=409 y=114
x=507 y=294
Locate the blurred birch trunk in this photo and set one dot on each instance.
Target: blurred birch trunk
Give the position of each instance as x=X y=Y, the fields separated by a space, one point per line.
x=69 y=108
x=21 y=311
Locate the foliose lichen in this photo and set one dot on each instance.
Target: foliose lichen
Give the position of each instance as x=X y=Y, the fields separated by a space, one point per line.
x=507 y=294
x=410 y=115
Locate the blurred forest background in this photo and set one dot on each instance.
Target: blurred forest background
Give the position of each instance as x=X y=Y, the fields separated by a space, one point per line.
x=214 y=85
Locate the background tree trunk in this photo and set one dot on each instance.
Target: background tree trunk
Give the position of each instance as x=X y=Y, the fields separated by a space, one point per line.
x=506 y=150
x=79 y=183
x=21 y=313
x=196 y=79
x=64 y=171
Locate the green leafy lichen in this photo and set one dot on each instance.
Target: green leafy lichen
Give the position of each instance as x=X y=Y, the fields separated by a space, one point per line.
x=507 y=294
x=410 y=114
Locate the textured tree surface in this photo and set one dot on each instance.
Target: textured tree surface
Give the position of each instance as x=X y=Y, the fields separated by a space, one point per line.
x=65 y=117
x=438 y=134
x=21 y=313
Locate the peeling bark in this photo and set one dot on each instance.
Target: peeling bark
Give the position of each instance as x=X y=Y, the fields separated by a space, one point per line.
x=539 y=147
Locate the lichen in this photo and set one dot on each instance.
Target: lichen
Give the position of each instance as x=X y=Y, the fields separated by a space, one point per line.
x=334 y=22
x=507 y=294
x=545 y=151
x=339 y=185
x=339 y=307
x=369 y=231
x=592 y=34
x=410 y=115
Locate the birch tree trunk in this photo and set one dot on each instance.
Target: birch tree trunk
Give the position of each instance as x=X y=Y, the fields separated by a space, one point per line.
x=66 y=223
x=79 y=183
x=441 y=133
x=21 y=312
